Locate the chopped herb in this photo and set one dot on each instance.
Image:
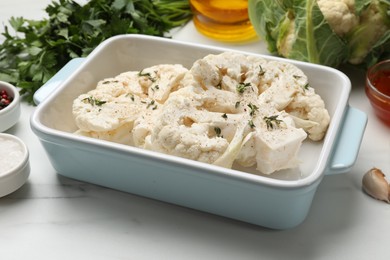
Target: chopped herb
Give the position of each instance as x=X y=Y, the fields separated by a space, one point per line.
x=110 y=81
x=251 y=124
x=225 y=116
x=155 y=88
x=146 y=74
x=242 y=86
x=306 y=86
x=261 y=71
x=253 y=108
x=237 y=104
x=218 y=131
x=150 y=104
x=219 y=86
x=272 y=121
x=131 y=96
x=93 y=101
x=154 y=108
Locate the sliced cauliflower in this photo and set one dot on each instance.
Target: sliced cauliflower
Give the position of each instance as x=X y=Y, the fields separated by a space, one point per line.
x=184 y=131
x=185 y=128
x=98 y=111
x=227 y=108
x=290 y=91
x=155 y=82
x=224 y=71
x=121 y=135
x=117 y=102
x=273 y=143
x=280 y=83
x=242 y=84
x=309 y=113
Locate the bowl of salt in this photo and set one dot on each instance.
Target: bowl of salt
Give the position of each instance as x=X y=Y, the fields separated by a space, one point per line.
x=14 y=164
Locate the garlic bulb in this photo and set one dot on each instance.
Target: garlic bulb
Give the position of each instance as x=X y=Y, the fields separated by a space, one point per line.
x=375 y=184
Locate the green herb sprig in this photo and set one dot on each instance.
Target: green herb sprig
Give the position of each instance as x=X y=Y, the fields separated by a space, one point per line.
x=251 y=124
x=272 y=122
x=218 y=131
x=147 y=75
x=306 y=86
x=242 y=86
x=253 y=109
x=94 y=102
x=261 y=71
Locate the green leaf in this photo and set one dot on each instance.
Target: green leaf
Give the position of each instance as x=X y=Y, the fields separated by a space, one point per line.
x=119 y=4
x=7 y=77
x=266 y=17
x=64 y=32
x=34 y=50
x=48 y=59
x=16 y=22
x=360 y=5
x=95 y=23
x=62 y=17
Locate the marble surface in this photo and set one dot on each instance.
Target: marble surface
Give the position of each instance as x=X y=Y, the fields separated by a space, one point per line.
x=52 y=217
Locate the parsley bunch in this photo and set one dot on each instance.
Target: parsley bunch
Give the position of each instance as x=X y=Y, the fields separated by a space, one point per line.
x=37 y=49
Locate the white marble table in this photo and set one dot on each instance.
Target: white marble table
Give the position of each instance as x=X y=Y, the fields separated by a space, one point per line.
x=52 y=217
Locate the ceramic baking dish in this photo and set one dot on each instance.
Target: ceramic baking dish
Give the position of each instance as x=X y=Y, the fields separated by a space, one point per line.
x=279 y=201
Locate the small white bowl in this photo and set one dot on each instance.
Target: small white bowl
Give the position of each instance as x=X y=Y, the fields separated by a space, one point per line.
x=15 y=166
x=11 y=113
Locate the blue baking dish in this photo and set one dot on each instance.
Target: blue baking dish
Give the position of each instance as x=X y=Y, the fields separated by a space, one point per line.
x=279 y=201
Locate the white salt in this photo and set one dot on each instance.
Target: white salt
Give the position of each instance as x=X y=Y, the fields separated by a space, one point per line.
x=11 y=154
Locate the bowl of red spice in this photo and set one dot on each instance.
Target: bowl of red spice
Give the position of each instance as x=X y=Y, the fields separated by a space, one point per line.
x=9 y=106
x=378 y=89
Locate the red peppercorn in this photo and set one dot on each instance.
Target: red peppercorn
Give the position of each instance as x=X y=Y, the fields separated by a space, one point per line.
x=5 y=99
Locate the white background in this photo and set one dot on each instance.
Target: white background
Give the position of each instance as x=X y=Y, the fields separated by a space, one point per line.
x=52 y=217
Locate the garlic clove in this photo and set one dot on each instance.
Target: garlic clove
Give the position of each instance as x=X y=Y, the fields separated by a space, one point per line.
x=375 y=185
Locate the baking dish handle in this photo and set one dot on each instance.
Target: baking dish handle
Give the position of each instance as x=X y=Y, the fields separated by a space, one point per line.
x=348 y=142
x=46 y=89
